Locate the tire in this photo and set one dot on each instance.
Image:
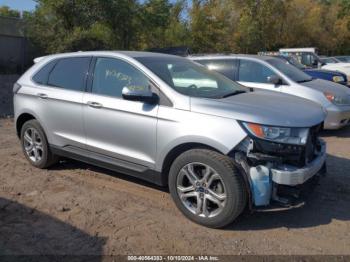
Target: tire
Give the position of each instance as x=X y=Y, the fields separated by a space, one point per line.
x=37 y=153
x=223 y=181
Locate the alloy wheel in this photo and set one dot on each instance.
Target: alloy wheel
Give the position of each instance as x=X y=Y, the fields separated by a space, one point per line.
x=33 y=144
x=201 y=190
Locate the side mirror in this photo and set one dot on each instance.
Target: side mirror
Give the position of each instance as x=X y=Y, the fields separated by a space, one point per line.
x=276 y=80
x=140 y=95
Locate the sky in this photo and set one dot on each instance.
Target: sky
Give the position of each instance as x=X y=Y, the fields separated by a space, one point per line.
x=21 y=5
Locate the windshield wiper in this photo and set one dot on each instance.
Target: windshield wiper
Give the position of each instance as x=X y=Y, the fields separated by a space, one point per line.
x=233 y=93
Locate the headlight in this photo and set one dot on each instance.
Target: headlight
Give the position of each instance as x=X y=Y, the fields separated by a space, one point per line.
x=287 y=135
x=337 y=100
x=338 y=79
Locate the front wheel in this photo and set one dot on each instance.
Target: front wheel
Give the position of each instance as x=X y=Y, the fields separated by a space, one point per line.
x=207 y=187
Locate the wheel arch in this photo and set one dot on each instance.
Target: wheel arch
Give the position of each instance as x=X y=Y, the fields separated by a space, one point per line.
x=178 y=150
x=21 y=119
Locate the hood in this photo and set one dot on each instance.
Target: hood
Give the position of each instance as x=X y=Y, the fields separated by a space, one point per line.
x=328 y=86
x=263 y=107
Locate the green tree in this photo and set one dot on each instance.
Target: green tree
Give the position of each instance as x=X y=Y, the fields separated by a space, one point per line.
x=317 y=23
x=246 y=26
x=8 y=12
x=260 y=25
x=156 y=18
x=63 y=25
x=177 y=32
x=211 y=25
x=162 y=24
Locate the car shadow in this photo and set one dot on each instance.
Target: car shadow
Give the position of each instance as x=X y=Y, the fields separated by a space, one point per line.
x=343 y=132
x=329 y=200
x=26 y=233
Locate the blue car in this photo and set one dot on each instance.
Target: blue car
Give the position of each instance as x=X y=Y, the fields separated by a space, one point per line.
x=329 y=75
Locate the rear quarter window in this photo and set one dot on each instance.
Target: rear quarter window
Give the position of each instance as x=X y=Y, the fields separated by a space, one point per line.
x=42 y=75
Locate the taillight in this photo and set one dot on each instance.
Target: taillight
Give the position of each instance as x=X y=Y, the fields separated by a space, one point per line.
x=16 y=88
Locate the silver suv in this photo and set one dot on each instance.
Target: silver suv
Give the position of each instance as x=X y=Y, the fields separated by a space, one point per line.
x=165 y=119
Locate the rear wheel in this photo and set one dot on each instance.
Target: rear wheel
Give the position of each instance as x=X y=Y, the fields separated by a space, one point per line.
x=35 y=145
x=207 y=187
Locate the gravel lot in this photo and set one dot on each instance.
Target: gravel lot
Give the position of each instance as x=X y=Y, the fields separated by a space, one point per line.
x=75 y=208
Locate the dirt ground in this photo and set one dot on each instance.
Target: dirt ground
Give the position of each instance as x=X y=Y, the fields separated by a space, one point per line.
x=75 y=208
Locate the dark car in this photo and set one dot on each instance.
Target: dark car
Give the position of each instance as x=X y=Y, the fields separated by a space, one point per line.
x=334 y=76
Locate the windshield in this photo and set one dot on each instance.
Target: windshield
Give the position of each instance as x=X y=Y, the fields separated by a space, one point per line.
x=189 y=78
x=292 y=72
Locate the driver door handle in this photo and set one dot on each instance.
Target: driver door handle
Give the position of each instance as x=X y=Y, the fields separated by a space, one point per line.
x=42 y=95
x=94 y=104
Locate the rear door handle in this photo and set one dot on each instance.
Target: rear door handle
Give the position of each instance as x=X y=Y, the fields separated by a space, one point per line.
x=42 y=95
x=94 y=104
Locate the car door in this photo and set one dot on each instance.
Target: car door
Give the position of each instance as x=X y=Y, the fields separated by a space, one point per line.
x=60 y=89
x=254 y=74
x=118 y=128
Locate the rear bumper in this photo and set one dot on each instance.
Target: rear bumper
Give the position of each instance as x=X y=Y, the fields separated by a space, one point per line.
x=292 y=176
x=337 y=117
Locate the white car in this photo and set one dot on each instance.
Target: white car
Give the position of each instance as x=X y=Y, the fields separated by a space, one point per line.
x=340 y=67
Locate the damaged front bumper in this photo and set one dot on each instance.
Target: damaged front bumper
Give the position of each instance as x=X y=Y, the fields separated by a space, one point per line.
x=292 y=176
x=276 y=178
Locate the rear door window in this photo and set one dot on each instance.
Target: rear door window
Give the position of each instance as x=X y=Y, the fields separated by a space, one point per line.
x=251 y=71
x=70 y=73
